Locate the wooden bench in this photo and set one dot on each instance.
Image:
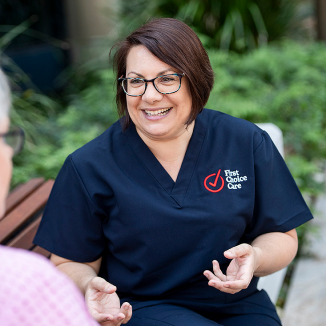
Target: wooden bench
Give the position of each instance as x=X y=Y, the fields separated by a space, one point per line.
x=24 y=208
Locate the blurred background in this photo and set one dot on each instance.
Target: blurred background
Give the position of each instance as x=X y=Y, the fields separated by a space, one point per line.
x=269 y=58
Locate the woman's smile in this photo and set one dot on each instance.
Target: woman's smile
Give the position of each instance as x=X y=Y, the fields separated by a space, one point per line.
x=156 y=113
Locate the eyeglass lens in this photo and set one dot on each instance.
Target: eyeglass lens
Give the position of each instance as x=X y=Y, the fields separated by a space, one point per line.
x=164 y=84
x=15 y=139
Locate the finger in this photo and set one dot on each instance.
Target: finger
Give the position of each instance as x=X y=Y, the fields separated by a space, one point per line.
x=118 y=318
x=213 y=280
x=102 y=285
x=126 y=309
x=217 y=271
x=238 y=251
x=115 y=320
x=102 y=318
x=220 y=285
x=210 y=275
x=236 y=285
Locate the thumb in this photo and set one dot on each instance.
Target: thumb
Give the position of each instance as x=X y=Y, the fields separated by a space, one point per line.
x=100 y=284
x=238 y=251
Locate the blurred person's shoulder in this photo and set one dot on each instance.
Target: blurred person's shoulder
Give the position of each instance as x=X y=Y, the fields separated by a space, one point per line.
x=33 y=289
x=13 y=258
x=21 y=266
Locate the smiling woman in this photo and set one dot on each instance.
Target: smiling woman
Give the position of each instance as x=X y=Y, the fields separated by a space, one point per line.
x=180 y=50
x=175 y=210
x=158 y=116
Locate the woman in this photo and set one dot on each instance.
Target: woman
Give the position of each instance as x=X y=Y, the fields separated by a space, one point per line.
x=140 y=213
x=32 y=291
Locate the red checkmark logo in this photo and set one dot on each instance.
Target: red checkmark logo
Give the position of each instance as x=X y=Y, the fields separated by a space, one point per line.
x=212 y=185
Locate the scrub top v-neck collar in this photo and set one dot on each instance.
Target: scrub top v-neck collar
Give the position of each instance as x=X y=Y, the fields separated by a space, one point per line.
x=177 y=190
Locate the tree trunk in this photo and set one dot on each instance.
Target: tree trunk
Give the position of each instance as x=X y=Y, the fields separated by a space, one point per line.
x=321 y=19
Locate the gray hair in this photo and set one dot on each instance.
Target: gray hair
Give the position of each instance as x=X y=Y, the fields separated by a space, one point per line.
x=5 y=98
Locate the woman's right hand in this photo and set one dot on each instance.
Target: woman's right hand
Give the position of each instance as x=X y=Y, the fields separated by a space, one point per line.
x=104 y=304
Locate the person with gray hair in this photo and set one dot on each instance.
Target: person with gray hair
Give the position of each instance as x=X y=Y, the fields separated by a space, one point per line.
x=4 y=96
x=6 y=151
x=32 y=290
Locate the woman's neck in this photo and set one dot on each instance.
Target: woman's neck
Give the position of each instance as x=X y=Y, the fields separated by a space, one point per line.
x=170 y=152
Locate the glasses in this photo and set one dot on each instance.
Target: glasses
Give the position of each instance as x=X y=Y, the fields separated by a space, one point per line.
x=14 y=138
x=165 y=84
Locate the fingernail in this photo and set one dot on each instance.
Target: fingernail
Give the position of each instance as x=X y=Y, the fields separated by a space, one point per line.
x=226 y=285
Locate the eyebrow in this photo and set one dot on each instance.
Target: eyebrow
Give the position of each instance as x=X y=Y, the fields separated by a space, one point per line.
x=159 y=74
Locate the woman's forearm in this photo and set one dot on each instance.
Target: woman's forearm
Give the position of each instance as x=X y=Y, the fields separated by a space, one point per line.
x=80 y=273
x=274 y=251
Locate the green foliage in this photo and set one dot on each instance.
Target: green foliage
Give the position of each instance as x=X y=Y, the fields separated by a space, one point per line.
x=283 y=84
x=54 y=129
x=90 y=111
x=238 y=25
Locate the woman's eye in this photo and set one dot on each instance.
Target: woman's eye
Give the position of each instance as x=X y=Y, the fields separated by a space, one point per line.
x=136 y=81
x=167 y=79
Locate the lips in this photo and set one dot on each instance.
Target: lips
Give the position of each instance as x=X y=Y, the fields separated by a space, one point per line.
x=160 y=112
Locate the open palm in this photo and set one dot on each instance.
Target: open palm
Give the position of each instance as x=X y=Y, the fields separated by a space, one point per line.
x=239 y=272
x=104 y=303
x=238 y=268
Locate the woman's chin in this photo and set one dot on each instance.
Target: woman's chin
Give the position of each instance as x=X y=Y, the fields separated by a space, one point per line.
x=157 y=134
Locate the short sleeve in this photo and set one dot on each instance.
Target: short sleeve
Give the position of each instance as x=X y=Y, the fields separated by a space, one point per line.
x=279 y=205
x=71 y=226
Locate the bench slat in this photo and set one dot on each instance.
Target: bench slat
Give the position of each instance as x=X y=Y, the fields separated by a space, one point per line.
x=25 y=239
x=18 y=194
x=27 y=209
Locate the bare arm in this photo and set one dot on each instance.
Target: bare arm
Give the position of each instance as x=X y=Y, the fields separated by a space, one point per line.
x=275 y=251
x=80 y=273
x=101 y=298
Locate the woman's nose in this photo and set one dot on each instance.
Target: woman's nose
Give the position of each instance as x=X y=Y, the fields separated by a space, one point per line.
x=151 y=95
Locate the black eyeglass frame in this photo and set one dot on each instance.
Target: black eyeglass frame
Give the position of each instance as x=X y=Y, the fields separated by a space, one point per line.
x=15 y=131
x=121 y=79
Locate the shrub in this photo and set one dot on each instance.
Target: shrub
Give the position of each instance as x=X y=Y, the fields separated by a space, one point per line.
x=283 y=84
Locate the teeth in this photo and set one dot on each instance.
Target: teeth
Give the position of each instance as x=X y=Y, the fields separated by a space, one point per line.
x=157 y=112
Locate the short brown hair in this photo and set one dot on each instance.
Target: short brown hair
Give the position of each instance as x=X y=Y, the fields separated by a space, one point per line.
x=175 y=43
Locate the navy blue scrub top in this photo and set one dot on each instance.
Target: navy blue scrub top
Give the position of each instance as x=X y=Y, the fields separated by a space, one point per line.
x=112 y=198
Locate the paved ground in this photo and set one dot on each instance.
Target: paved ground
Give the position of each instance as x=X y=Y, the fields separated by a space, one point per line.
x=306 y=302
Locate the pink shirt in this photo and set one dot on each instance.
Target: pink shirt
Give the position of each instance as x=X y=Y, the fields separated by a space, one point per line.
x=34 y=293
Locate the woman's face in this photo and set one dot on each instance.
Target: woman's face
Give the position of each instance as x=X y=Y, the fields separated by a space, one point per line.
x=6 y=153
x=146 y=110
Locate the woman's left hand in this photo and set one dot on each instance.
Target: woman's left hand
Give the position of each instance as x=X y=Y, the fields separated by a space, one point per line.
x=245 y=260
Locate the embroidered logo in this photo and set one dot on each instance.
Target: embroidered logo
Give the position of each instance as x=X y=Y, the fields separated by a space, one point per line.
x=215 y=182
x=234 y=179
x=212 y=186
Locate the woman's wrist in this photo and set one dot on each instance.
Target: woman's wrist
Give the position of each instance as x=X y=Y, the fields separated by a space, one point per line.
x=258 y=254
x=86 y=283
